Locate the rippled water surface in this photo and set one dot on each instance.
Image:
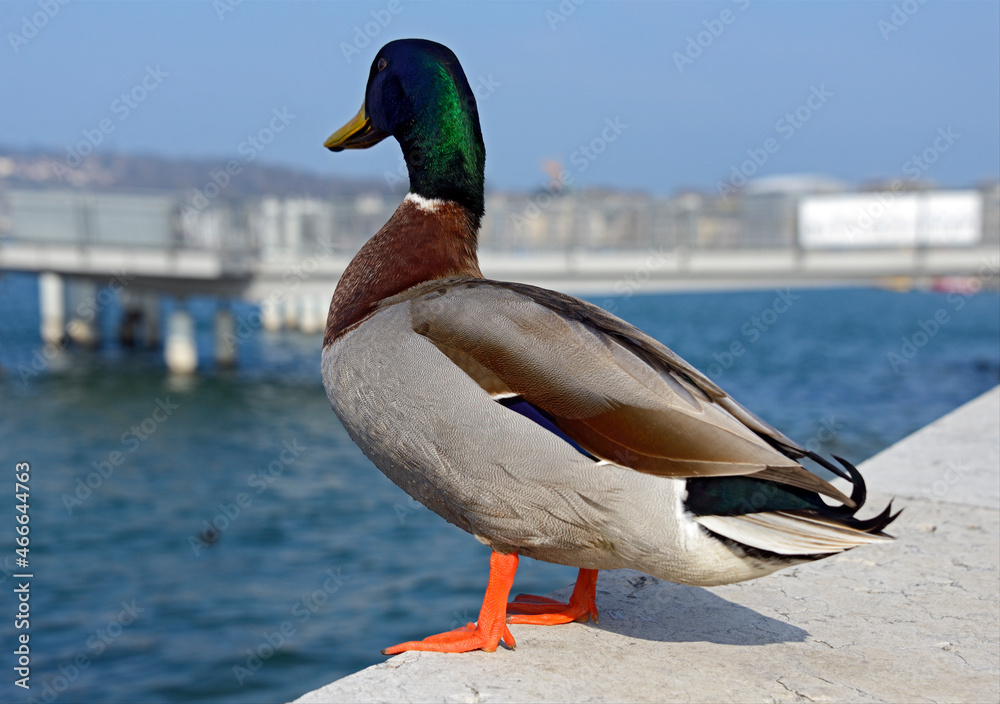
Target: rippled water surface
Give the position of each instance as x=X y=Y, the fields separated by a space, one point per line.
x=319 y=561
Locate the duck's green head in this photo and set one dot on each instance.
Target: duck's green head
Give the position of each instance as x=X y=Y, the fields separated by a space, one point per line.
x=417 y=92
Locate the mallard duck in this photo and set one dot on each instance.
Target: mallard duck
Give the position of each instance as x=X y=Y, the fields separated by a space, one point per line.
x=539 y=423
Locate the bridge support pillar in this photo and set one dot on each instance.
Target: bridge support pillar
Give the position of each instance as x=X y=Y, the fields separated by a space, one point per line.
x=310 y=320
x=149 y=304
x=225 y=338
x=322 y=310
x=84 y=327
x=140 y=323
x=180 y=351
x=291 y=306
x=52 y=305
x=270 y=316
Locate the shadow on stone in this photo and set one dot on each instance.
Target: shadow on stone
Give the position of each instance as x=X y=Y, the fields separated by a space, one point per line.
x=639 y=606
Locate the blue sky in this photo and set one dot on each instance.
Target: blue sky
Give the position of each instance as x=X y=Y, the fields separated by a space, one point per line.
x=694 y=90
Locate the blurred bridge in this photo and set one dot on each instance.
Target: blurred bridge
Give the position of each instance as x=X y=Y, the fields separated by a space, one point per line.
x=287 y=254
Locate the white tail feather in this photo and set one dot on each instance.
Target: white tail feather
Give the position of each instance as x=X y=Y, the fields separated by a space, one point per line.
x=788 y=534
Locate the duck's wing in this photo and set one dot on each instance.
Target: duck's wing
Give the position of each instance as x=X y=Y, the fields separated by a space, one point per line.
x=614 y=391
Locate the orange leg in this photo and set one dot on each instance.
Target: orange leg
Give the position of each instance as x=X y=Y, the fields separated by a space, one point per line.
x=542 y=611
x=487 y=633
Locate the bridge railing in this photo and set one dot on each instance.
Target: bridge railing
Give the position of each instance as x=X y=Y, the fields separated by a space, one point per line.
x=261 y=228
x=132 y=220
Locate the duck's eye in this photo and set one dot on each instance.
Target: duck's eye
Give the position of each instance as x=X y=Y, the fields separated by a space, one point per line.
x=382 y=63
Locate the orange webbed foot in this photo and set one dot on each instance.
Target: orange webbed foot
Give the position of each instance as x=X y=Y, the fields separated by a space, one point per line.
x=491 y=628
x=461 y=640
x=542 y=611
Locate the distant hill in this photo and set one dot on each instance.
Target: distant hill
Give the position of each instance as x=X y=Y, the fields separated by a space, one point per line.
x=130 y=172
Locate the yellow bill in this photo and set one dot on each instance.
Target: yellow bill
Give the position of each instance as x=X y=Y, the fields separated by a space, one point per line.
x=359 y=133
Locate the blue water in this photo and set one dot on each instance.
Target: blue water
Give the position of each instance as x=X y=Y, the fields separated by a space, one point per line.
x=321 y=561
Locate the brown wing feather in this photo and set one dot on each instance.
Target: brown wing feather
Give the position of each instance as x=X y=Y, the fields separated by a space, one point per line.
x=619 y=393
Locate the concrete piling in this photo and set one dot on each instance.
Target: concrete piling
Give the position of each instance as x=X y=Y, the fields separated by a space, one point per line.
x=52 y=307
x=180 y=351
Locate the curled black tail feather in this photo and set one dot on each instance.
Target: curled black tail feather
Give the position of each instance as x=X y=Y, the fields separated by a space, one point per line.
x=859 y=490
x=859 y=494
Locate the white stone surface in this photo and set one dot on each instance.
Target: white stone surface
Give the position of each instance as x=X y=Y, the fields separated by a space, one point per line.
x=954 y=459
x=915 y=620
